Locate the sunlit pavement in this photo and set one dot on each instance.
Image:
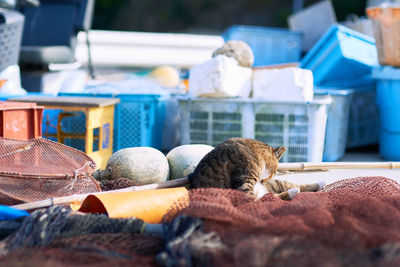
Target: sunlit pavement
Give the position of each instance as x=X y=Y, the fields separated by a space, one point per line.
x=339 y=174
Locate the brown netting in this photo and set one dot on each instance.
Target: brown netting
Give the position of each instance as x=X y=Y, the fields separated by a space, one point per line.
x=74 y=256
x=120 y=183
x=353 y=222
x=39 y=168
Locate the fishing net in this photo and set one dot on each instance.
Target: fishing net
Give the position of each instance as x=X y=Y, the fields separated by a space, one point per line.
x=119 y=183
x=353 y=222
x=57 y=236
x=39 y=169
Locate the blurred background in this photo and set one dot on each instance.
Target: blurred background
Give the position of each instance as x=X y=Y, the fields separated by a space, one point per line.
x=205 y=16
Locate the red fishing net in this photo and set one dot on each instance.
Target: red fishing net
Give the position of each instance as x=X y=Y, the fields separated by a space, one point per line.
x=39 y=168
x=351 y=222
x=354 y=222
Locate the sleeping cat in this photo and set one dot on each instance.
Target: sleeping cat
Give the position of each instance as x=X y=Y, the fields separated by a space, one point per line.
x=247 y=165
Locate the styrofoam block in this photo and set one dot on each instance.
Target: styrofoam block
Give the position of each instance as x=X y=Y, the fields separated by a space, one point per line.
x=284 y=84
x=220 y=76
x=12 y=86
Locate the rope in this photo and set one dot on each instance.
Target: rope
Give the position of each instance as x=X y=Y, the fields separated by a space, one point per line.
x=76 y=172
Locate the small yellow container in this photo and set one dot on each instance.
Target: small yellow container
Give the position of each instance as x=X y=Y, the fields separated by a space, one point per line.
x=99 y=113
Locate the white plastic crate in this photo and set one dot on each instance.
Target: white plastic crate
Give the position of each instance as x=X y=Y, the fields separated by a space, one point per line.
x=337 y=123
x=300 y=127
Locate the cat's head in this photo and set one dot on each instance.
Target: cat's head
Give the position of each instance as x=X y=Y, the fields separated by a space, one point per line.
x=279 y=151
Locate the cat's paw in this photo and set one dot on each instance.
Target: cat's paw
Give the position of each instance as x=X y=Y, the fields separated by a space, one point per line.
x=321 y=184
x=292 y=192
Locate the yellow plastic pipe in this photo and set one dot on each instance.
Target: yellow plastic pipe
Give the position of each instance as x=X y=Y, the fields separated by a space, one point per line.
x=149 y=205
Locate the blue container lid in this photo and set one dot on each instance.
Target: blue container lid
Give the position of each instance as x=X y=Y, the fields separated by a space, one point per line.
x=269 y=45
x=342 y=57
x=386 y=73
x=259 y=30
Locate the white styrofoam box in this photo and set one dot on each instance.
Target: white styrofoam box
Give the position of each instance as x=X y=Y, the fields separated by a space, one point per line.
x=298 y=126
x=220 y=76
x=283 y=84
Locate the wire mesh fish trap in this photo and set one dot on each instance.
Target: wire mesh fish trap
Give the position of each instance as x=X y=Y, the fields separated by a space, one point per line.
x=38 y=169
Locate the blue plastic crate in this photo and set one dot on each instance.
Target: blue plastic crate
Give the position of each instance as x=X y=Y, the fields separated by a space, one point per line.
x=138 y=120
x=342 y=58
x=269 y=45
x=388 y=101
x=337 y=122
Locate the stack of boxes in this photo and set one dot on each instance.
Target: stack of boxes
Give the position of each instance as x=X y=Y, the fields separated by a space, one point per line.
x=386 y=20
x=342 y=62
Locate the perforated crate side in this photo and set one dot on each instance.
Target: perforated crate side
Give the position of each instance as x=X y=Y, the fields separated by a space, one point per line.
x=134 y=121
x=75 y=124
x=138 y=119
x=363 y=119
x=299 y=127
x=49 y=123
x=213 y=122
x=11 y=26
x=338 y=122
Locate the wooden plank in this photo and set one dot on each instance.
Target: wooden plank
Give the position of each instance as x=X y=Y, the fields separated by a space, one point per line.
x=68 y=101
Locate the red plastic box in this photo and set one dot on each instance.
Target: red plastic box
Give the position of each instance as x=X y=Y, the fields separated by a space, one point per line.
x=20 y=120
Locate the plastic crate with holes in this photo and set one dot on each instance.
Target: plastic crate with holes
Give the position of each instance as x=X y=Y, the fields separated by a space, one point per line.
x=364 y=120
x=11 y=24
x=298 y=126
x=138 y=120
x=338 y=122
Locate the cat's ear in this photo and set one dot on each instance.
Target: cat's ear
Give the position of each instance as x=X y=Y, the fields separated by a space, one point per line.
x=279 y=151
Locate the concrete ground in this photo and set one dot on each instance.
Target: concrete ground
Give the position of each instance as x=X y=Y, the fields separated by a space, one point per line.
x=365 y=155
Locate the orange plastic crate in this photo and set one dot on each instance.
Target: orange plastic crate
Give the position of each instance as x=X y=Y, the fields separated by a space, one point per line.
x=20 y=120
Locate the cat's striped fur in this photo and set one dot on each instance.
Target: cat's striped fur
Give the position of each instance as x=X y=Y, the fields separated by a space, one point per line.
x=237 y=163
x=243 y=164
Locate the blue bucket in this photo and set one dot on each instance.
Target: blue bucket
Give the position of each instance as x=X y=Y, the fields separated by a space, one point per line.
x=388 y=101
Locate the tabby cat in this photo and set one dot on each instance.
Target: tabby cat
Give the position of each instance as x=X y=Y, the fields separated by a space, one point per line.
x=248 y=165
